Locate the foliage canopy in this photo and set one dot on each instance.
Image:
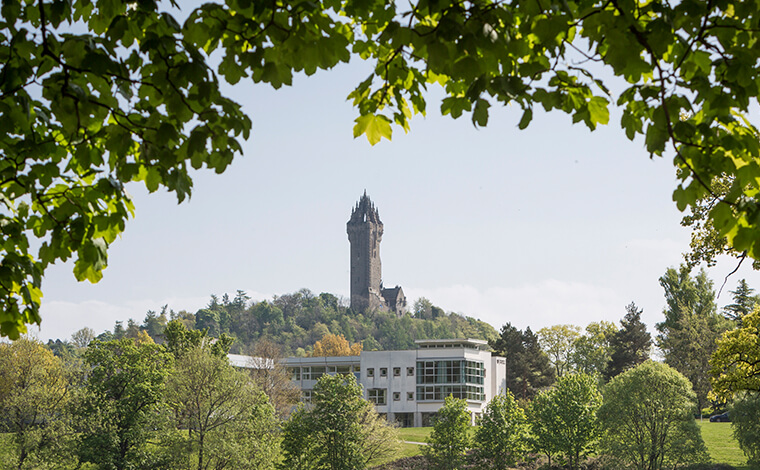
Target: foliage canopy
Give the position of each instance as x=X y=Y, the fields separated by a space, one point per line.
x=448 y=441
x=647 y=419
x=563 y=419
x=132 y=98
x=736 y=360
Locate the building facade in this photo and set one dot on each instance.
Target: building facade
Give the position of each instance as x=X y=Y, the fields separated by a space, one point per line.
x=410 y=386
x=365 y=232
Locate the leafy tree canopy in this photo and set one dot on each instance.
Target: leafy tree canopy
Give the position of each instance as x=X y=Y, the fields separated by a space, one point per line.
x=563 y=419
x=558 y=342
x=335 y=345
x=647 y=419
x=501 y=435
x=132 y=98
x=449 y=439
x=736 y=361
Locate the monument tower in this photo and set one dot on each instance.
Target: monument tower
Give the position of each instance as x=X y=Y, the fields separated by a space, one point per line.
x=365 y=231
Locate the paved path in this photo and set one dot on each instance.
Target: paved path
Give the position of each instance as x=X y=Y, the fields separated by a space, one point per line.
x=418 y=443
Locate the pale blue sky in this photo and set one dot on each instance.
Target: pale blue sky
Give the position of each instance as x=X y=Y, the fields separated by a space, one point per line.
x=549 y=225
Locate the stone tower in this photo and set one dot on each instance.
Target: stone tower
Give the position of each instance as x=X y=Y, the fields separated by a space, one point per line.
x=365 y=231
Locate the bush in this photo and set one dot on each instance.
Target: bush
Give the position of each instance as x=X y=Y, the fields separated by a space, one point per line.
x=745 y=420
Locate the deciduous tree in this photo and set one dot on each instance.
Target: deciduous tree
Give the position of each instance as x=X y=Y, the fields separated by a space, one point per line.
x=34 y=396
x=558 y=342
x=335 y=345
x=563 y=421
x=735 y=364
x=271 y=376
x=121 y=406
x=228 y=419
x=593 y=349
x=340 y=432
x=745 y=420
x=501 y=436
x=648 y=421
x=449 y=438
x=688 y=335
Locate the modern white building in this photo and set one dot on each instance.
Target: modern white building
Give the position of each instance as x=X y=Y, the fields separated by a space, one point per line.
x=410 y=386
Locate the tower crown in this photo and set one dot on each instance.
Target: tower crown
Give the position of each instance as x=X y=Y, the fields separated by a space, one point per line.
x=364 y=211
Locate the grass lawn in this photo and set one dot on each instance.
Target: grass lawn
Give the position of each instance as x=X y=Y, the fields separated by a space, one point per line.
x=718 y=437
x=721 y=444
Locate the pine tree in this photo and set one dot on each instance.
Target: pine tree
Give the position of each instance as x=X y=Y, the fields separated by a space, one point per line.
x=528 y=367
x=744 y=302
x=630 y=344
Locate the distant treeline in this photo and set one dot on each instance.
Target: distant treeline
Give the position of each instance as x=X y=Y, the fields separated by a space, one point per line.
x=296 y=321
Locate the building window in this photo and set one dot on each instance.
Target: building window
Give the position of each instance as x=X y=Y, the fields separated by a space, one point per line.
x=409 y=396
x=440 y=392
x=370 y=372
x=396 y=396
x=397 y=371
x=306 y=396
x=377 y=396
x=295 y=373
x=383 y=372
x=410 y=371
x=317 y=372
x=450 y=372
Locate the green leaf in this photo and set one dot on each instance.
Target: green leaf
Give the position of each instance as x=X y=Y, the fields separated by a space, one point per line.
x=375 y=127
x=526 y=118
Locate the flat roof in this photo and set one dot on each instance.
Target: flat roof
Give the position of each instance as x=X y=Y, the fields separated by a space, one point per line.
x=452 y=343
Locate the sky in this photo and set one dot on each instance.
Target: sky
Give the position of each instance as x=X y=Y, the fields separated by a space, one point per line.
x=550 y=225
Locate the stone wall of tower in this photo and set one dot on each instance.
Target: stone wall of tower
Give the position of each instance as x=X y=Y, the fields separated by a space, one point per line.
x=365 y=232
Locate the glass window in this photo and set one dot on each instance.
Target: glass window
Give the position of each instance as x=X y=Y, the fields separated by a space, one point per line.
x=371 y=372
x=383 y=372
x=396 y=371
x=410 y=371
x=376 y=396
x=317 y=372
x=409 y=396
x=306 y=373
x=396 y=396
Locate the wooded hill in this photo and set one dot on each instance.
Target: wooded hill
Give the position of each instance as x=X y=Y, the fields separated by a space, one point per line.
x=296 y=321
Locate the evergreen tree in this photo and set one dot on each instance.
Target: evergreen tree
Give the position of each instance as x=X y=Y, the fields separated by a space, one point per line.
x=630 y=344
x=744 y=302
x=528 y=367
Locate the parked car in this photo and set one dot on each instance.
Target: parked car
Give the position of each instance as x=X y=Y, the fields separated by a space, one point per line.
x=721 y=418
